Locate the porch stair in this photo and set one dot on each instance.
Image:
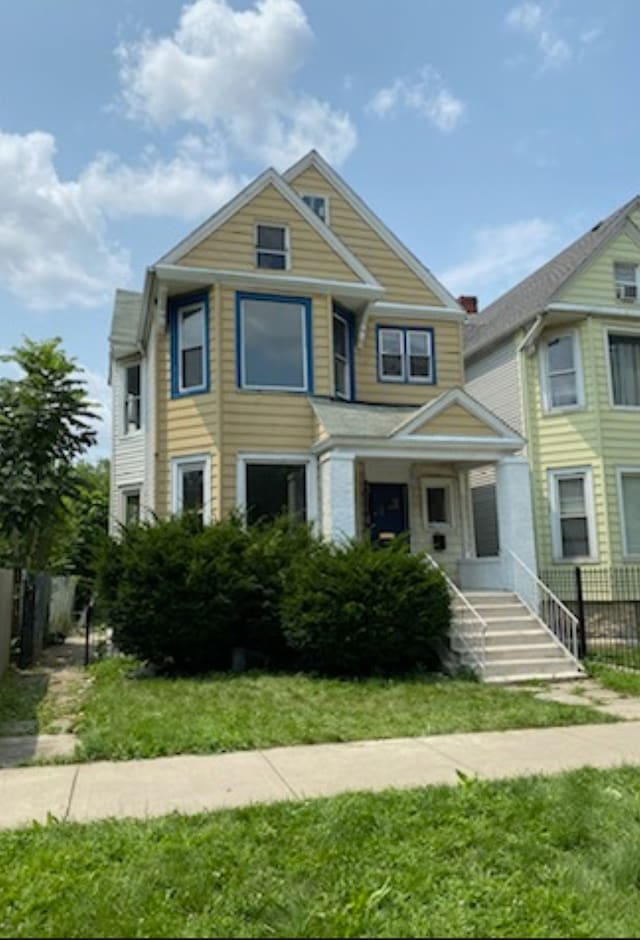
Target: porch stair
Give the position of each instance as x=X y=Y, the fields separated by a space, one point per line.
x=517 y=646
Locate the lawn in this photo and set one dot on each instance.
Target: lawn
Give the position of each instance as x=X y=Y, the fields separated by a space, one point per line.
x=555 y=857
x=21 y=696
x=126 y=718
x=623 y=681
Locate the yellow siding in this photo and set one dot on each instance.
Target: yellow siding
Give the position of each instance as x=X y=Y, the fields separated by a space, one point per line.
x=456 y=420
x=595 y=285
x=233 y=245
x=403 y=286
x=449 y=366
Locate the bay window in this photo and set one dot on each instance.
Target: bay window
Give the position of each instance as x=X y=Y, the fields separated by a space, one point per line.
x=624 y=369
x=274 y=343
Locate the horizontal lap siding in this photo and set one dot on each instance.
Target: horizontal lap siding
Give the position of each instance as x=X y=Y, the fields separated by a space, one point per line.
x=402 y=285
x=456 y=420
x=233 y=245
x=449 y=368
x=494 y=381
x=595 y=286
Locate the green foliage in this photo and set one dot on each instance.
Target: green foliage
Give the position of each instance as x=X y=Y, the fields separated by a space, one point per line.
x=358 y=610
x=45 y=426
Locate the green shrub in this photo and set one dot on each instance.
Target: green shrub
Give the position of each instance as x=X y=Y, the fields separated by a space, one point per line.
x=358 y=610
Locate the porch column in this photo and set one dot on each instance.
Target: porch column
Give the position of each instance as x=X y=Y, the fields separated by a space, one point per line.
x=338 y=497
x=466 y=515
x=515 y=514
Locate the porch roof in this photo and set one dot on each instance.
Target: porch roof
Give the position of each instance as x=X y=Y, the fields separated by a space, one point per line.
x=353 y=419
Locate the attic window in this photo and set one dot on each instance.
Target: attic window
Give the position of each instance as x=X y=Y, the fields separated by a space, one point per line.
x=317 y=204
x=626 y=278
x=272 y=247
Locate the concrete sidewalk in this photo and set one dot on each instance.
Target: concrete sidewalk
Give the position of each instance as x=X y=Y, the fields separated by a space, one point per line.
x=193 y=784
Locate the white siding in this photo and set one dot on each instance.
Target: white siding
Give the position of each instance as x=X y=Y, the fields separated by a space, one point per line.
x=128 y=464
x=493 y=380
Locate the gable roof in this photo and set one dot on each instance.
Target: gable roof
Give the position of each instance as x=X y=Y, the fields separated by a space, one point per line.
x=125 y=323
x=269 y=178
x=314 y=159
x=413 y=424
x=520 y=305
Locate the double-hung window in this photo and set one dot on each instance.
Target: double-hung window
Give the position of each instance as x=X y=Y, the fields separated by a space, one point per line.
x=342 y=364
x=132 y=397
x=572 y=514
x=624 y=369
x=272 y=247
x=437 y=503
x=629 y=487
x=131 y=499
x=405 y=355
x=626 y=278
x=317 y=204
x=562 y=380
x=274 y=343
x=190 y=331
x=192 y=486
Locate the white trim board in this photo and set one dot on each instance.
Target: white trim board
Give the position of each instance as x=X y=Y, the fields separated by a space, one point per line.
x=176 y=499
x=553 y=474
x=313 y=159
x=473 y=406
x=545 y=385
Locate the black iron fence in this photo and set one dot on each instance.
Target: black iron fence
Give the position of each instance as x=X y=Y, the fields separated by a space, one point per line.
x=606 y=602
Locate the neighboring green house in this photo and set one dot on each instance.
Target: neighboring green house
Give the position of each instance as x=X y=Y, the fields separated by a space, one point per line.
x=558 y=358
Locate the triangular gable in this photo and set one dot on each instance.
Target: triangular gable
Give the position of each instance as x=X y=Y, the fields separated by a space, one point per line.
x=317 y=174
x=455 y=414
x=267 y=192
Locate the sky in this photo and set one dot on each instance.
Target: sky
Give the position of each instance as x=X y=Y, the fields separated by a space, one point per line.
x=486 y=133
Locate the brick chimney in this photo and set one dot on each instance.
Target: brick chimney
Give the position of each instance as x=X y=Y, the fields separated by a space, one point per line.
x=469 y=303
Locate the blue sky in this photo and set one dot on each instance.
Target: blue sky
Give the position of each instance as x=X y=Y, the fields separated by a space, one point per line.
x=486 y=134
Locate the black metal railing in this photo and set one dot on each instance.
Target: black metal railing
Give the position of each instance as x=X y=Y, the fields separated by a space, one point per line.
x=606 y=602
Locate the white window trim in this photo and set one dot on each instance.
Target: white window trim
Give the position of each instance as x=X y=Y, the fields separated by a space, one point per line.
x=123 y=410
x=617 y=331
x=302 y=459
x=617 y=283
x=324 y=196
x=177 y=464
x=347 y=395
x=180 y=311
x=620 y=473
x=554 y=502
x=403 y=358
x=418 y=379
x=131 y=489
x=548 y=408
x=274 y=251
x=446 y=483
x=305 y=356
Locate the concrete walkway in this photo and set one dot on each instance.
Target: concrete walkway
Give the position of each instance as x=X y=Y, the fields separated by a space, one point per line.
x=192 y=784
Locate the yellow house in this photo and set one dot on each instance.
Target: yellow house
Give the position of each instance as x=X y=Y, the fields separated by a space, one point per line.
x=558 y=357
x=292 y=355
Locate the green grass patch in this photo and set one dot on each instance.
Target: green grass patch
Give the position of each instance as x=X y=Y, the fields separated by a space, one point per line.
x=623 y=681
x=554 y=857
x=21 y=696
x=126 y=718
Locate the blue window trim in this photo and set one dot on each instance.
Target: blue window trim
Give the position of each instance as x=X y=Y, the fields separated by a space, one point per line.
x=350 y=320
x=277 y=298
x=176 y=304
x=405 y=380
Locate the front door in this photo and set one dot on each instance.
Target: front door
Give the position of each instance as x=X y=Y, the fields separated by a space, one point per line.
x=387 y=511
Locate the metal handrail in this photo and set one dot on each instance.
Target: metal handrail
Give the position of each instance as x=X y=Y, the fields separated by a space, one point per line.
x=478 y=655
x=564 y=633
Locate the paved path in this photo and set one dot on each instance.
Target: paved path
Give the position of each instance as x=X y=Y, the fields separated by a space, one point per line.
x=193 y=784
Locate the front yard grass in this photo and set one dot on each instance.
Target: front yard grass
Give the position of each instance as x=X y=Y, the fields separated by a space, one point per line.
x=21 y=697
x=537 y=857
x=623 y=681
x=125 y=718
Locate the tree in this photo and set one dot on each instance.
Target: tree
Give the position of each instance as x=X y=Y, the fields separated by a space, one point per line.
x=45 y=427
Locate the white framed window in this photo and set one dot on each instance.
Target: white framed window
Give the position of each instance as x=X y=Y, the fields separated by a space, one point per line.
x=273 y=342
x=131 y=505
x=562 y=383
x=419 y=355
x=342 y=357
x=132 y=380
x=437 y=503
x=272 y=247
x=391 y=355
x=269 y=485
x=191 y=367
x=623 y=353
x=318 y=204
x=629 y=499
x=626 y=280
x=573 y=525
x=191 y=486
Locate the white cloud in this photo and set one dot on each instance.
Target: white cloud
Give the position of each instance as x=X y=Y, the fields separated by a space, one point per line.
x=427 y=96
x=99 y=394
x=232 y=72
x=534 y=21
x=502 y=255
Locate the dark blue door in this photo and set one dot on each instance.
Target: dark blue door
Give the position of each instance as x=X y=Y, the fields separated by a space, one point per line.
x=387 y=511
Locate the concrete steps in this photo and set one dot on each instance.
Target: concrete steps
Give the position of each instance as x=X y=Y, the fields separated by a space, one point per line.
x=518 y=647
